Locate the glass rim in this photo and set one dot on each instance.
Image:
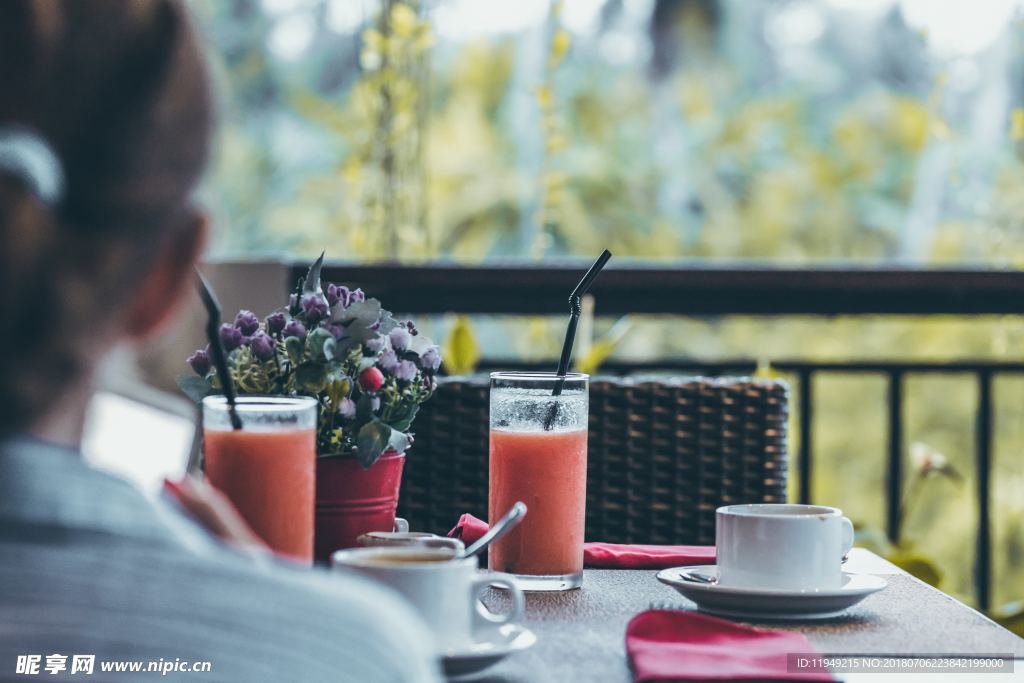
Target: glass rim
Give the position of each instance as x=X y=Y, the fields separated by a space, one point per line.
x=551 y=376
x=260 y=404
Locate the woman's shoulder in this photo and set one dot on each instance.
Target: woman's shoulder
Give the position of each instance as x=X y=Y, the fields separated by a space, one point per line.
x=334 y=621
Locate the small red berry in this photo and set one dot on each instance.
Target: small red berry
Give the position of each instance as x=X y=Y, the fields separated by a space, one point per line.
x=371 y=379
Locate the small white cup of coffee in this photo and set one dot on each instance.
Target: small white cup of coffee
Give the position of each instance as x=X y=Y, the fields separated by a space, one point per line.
x=781 y=546
x=443 y=587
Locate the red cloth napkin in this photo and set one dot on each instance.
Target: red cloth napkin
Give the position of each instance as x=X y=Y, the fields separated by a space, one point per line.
x=668 y=645
x=610 y=555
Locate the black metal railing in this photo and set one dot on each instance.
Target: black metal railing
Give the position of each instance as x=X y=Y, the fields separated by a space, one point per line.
x=685 y=290
x=517 y=289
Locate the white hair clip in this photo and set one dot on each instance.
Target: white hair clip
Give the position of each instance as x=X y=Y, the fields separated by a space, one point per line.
x=28 y=157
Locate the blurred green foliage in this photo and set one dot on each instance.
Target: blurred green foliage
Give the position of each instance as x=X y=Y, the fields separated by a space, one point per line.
x=670 y=130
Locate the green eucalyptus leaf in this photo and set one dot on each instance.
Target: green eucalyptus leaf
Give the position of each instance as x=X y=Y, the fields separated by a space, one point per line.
x=293 y=345
x=195 y=387
x=311 y=377
x=343 y=346
x=367 y=311
x=404 y=423
x=420 y=343
x=321 y=344
x=373 y=438
x=399 y=441
x=360 y=333
x=311 y=284
x=360 y=319
x=387 y=323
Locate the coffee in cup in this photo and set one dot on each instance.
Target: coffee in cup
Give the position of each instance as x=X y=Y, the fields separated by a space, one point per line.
x=377 y=539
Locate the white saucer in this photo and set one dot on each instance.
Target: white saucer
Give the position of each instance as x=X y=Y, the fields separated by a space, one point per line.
x=772 y=604
x=489 y=650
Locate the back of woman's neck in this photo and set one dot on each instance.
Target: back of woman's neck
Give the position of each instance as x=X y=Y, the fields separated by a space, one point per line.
x=65 y=422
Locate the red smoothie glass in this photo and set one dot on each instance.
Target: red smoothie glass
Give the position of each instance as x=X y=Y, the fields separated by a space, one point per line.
x=267 y=468
x=539 y=456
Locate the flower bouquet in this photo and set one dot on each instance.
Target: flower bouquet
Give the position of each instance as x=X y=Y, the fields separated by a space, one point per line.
x=369 y=373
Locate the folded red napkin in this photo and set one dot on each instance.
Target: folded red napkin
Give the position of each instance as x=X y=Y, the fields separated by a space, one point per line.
x=667 y=645
x=610 y=555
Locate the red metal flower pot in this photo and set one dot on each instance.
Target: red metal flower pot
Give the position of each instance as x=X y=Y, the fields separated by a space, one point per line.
x=351 y=501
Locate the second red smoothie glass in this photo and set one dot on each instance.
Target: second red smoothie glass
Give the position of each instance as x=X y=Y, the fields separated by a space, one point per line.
x=539 y=456
x=267 y=468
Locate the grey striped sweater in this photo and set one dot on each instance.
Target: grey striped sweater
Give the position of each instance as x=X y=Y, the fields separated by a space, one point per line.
x=89 y=566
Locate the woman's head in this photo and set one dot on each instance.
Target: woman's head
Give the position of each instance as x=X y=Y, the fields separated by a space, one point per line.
x=119 y=93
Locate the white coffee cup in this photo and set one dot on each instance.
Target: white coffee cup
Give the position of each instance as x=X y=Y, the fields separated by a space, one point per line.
x=781 y=546
x=444 y=588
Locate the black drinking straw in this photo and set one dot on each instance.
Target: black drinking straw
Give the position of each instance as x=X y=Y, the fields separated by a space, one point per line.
x=220 y=360
x=575 y=307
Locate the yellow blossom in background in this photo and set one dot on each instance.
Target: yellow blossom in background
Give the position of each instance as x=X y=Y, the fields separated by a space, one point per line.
x=425 y=39
x=765 y=370
x=544 y=97
x=1017 y=125
x=461 y=350
x=909 y=122
x=555 y=143
x=373 y=40
x=602 y=349
x=696 y=100
x=540 y=338
x=559 y=47
x=403 y=20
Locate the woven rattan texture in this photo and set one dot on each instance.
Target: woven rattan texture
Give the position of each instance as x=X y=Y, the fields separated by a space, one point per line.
x=663 y=454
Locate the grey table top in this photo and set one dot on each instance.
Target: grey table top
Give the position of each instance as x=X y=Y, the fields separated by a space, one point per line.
x=581 y=633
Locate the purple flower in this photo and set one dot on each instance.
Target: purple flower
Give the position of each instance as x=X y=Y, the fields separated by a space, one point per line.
x=431 y=359
x=388 y=361
x=262 y=346
x=347 y=408
x=338 y=294
x=230 y=337
x=374 y=344
x=315 y=307
x=357 y=295
x=375 y=403
x=337 y=331
x=400 y=338
x=247 y=322
x=276 y=322
x=294 y=329
x=406 y=370
x=200 y=362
